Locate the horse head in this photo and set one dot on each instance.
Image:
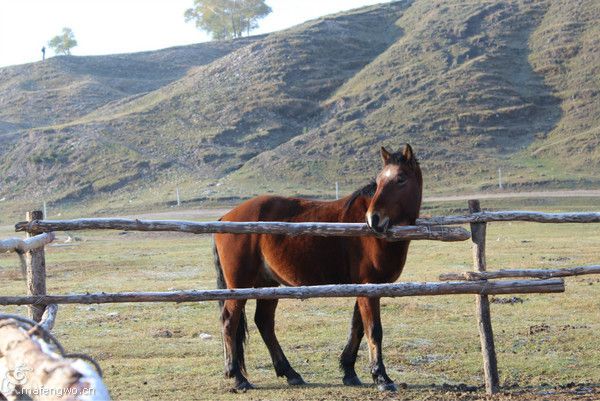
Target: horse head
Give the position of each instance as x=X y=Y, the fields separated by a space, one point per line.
x=397 y=199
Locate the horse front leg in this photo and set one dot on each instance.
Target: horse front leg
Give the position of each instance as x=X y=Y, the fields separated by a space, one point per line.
x=348 y=357
x=370 y=312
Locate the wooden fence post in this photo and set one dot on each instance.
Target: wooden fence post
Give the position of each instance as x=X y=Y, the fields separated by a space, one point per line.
x=484 y=320
x=36 y=270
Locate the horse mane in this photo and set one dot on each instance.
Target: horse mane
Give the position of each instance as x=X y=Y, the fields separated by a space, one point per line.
x=366 y=190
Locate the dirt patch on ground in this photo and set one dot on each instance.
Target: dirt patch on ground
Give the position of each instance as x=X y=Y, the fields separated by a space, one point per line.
x=507 y=300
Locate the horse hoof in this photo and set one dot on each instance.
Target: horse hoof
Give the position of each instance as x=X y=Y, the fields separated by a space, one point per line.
x=244 y=386
x=352 y=381
x=296 y=381
x=387 y=387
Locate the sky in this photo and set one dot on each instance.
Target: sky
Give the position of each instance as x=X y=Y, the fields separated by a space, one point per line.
x=123 y=26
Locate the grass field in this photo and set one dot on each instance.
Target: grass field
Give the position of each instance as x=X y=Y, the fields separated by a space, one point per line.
x=547 y=345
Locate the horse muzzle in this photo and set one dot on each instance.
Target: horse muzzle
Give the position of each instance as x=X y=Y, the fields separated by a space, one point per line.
x=377 y=223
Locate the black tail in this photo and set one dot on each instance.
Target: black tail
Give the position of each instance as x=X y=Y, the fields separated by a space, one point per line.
x=221 y=284
x=242 y=331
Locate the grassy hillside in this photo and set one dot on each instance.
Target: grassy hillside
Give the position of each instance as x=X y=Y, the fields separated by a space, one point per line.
x=474 y=86
x=566 y=53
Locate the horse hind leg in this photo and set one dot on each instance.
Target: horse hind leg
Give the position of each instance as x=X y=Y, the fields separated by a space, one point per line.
x=235 y=268
x=265 y=321
x=234 y=333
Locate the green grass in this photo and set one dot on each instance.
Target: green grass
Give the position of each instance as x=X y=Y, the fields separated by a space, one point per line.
x=428 y=341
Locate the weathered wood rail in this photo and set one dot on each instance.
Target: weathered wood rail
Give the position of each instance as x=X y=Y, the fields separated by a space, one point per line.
x=302 y=292
x=534 y=217
x=514 y=273
x=261 y=227
x=23 y=245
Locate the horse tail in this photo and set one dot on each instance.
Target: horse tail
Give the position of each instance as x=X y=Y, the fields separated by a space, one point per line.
x=242 y=331
x=221 y=284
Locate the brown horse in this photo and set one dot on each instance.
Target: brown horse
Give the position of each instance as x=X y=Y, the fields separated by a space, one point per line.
x=263 y=260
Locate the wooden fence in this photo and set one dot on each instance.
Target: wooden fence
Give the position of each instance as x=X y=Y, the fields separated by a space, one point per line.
x=426 y=229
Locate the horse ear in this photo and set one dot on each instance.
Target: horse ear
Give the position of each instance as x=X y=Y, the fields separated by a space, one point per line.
x=385 y=155
x=407 y=153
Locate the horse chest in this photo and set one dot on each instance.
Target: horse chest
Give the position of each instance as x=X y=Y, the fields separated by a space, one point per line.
x=383 y=262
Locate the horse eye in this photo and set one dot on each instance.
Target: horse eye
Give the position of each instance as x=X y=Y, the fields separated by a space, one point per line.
x=401 y=180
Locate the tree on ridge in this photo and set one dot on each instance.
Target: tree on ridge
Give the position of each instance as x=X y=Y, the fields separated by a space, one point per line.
x=227 y=19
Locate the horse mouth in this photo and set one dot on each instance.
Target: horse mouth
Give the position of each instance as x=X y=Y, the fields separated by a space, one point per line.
x=379 y=227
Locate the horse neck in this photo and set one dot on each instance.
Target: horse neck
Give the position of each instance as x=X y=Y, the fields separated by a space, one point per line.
x=355 y=213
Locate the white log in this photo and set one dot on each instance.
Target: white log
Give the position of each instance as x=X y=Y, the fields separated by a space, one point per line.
x=514 y=273
x=23 y=245
x=317 y=291
x=258 y=227
x=37 y=371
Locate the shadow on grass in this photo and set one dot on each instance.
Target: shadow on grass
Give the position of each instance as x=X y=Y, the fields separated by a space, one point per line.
x=285 y=386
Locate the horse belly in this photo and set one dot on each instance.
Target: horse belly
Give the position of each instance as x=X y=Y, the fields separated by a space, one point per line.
x=298 y=261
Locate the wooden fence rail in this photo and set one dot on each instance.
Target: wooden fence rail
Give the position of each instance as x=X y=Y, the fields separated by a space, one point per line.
x=260 y=227
x=535 y=217
x=514 y=273
x=302 y=292
x=23 y=245
x=326 y=229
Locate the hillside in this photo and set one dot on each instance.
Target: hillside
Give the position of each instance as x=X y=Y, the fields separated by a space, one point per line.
x=474 y=86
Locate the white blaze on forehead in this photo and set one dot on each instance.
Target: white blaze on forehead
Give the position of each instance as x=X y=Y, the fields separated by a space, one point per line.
x=389 y=172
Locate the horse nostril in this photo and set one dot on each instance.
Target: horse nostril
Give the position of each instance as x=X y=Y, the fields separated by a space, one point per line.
x=374 y=221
